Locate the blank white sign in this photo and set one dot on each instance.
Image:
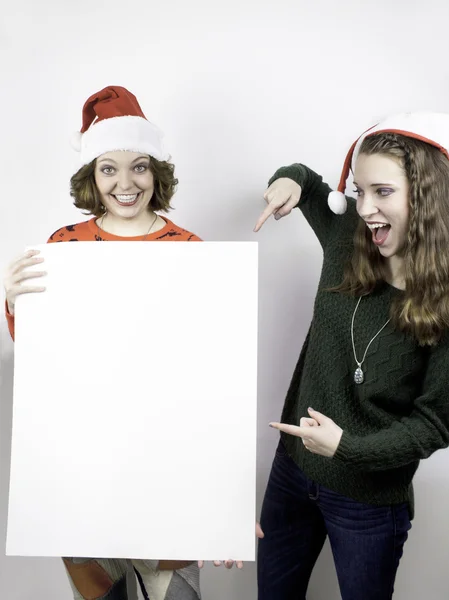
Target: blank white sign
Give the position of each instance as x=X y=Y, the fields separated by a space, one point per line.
x=134 y=427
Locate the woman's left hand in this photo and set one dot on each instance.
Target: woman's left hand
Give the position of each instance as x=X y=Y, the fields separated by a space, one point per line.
x=322 y=438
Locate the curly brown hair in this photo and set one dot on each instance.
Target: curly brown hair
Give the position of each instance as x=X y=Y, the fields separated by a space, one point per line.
x=423 y=309
x=84 y=191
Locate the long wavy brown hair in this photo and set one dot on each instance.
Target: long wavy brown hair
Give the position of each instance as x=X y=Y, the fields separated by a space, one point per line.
x=423 y=310
x=84 y=191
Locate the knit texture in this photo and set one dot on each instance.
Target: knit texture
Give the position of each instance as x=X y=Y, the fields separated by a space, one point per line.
x=400 y=414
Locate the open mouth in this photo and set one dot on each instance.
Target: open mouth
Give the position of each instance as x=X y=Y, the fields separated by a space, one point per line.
x=380 y=232
x=126 y=199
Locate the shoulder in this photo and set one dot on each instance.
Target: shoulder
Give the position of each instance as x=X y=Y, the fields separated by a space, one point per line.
x=343 y=229
x=175 y=233
x=73 y=233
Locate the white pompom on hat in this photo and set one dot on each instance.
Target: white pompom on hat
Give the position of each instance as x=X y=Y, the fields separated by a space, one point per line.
x=429 y=127
x=113 y=120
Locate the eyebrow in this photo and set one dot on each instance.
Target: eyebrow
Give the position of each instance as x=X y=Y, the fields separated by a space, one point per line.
x=140 y=158
x=111 y=160
x=376 y=184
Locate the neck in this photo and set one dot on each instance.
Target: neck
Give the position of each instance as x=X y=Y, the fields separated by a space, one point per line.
x=395 y=272
x=137 y=226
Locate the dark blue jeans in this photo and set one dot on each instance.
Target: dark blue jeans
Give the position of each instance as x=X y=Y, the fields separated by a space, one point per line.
x=298 y=515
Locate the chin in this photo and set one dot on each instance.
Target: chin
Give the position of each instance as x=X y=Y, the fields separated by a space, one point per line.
x=390 y=252
x=126 y=213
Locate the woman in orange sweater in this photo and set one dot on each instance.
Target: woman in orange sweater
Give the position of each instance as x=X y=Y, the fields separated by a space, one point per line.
x=124 y=179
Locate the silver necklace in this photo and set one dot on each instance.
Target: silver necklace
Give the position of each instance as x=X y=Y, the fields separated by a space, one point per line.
x=359 y=376
x=100 y=239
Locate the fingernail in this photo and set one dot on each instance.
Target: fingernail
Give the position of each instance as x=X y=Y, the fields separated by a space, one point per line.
x=310 y=408
x=270 y=425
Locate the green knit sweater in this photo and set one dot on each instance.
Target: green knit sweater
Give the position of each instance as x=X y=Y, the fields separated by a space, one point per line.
x=400 y=413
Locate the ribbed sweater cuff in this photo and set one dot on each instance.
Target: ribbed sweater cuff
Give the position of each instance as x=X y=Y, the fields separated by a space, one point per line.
x=347 y=448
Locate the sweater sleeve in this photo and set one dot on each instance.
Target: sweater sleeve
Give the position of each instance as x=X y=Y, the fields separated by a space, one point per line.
x=9 y=320
x=313 y=202
x=411 y=438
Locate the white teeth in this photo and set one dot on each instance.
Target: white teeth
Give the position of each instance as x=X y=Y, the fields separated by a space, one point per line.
x=126 y=198
x=376 y=225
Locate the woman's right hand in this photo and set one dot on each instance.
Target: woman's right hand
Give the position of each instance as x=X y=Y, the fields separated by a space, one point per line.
x=17 y=274
x=282 y=196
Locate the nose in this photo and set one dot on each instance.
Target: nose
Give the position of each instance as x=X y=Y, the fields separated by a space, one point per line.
x=124 y=182
x=366 y=206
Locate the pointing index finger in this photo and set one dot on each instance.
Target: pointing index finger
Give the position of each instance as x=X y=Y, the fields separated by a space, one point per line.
x=269 y=210
x=293 y=429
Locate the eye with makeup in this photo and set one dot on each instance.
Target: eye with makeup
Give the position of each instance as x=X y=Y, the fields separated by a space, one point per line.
x=382 y=192
x=107 y=170
x=141 y=168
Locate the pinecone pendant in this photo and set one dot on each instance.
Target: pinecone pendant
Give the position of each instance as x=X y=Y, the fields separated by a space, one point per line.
x=359 y=376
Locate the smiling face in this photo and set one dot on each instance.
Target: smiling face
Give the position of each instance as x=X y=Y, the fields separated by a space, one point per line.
x=125 y=183
x=383 y=201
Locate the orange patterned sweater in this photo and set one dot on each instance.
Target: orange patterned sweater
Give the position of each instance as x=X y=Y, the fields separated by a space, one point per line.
x=87 y=231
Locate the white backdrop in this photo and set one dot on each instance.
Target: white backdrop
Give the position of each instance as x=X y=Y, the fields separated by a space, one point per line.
x=240 y=88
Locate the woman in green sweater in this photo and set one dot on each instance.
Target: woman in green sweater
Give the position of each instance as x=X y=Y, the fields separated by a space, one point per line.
x=369 y=396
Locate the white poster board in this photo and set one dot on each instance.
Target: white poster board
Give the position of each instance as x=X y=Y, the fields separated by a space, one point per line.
x=134 y=423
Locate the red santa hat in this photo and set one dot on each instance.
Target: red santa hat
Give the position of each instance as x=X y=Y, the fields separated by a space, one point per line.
x=113 y=120
x=429 y=127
